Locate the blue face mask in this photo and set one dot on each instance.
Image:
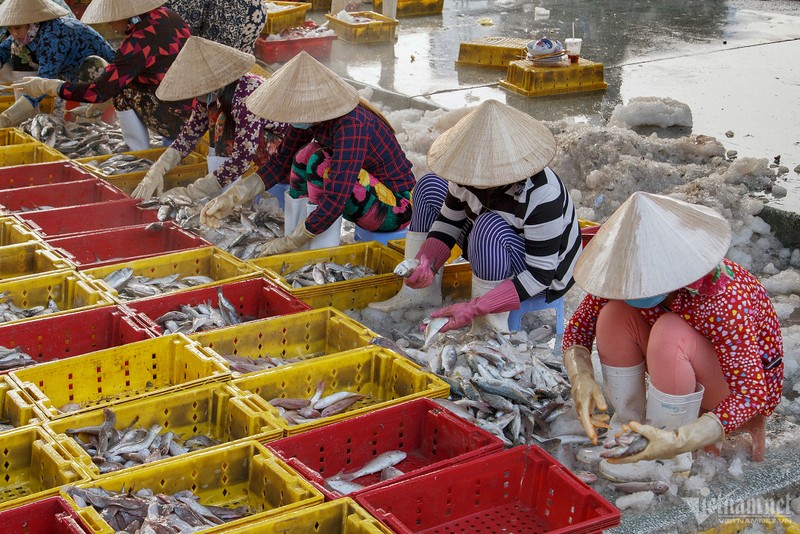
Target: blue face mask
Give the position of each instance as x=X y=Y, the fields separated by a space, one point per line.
x=647 y=302
x=301 y=125
x=211 y=97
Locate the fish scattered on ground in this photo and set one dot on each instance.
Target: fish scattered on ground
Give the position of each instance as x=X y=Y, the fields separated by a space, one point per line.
x=11 y=312
x=383 y=463
x=130 y=287
x=14 y=358
x=324 y=272
x=112 y=449
x=303 y=410
x=659 y=487
x=627 y=443
x=145 y=512
x=190 y=319
x=586 y=476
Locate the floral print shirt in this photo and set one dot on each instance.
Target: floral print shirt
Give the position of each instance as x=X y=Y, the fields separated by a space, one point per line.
x=60 y=46
x=235 y=23
x=149 y=49
x=737 y=316
x=253 y=136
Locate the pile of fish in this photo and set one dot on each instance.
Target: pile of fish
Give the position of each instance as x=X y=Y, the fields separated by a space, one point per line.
x=144 y=512
x=14 y=358
x=324 y=272
x=245 y=364
x=10 y=312
x=300 y=410
x=112 y=449
x=121 y=164
x=383 y=463
x=242 y=233
x=131 y=287
x=190 y=319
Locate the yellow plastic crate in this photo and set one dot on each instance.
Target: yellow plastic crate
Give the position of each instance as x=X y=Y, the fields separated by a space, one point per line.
x=106 y=377
x=320 y=4
x=209 y=261
x=495 y=52
x=27 y=154
x=45 y=106
x=13 y=136
x=202 y=410
x=293 y=16
x=191 y=168
x=385 y=378
x=30 y=259
x=16 y=409
x=302 y=335
x=33 y=466
x=379 y=30
x=413 y=8
x=233 y=475
x=69 y=290
x=342 y=516
x=525 y=78
x=14 y=232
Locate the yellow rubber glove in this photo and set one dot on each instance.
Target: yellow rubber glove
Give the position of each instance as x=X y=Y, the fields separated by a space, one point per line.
x=586 y=392
x=665 y=444
x=36 y=87
x=241 y=191
x=298 y=238
x=153 y=181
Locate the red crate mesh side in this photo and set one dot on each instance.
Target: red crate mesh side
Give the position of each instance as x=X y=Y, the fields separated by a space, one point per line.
x=80 y=219
x=48 y=516
x=41 y=173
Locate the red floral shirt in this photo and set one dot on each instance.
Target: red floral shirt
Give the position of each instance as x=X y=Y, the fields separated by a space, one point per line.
x=738 y=319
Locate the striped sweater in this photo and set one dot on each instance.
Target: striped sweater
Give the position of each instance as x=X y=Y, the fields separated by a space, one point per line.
x=542 y=213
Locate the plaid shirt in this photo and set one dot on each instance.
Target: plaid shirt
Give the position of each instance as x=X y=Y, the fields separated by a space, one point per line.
x=358 y=140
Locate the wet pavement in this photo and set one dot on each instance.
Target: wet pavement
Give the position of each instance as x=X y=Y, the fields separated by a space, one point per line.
x=735 y=63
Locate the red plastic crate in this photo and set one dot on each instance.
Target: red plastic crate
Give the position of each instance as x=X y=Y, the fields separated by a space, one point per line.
x=72 y=334
x=431 y=436
x=256 y=298
x=587 y=233
x=522 y=489
x=47 y=516
x=79 y=193
x=280 y=51
x=120 y=244
x=63 y=222
x=41 y=174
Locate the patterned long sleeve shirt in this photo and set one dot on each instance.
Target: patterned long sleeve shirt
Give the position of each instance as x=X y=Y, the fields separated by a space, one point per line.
x=250 y=131
x=540 y=210
x=741 y=323
x=60 y=46
x=143 y=58
x=358 y=140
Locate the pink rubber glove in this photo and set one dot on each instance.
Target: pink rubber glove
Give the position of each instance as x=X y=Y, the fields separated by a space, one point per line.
x=500 y=299
x=432 y=255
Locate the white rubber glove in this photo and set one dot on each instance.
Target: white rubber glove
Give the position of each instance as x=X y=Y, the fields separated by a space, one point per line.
x=20 y=111
x=153 y=181
x=36 y=87
x=240 y=191
x=586 y=393
x=665 y=444
x=204 y=187
x=294 y=241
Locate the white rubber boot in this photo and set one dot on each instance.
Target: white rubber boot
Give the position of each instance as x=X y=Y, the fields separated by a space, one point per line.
x=624 y=388
x=328 y=238
x=294 y=212
x=497 y=322
x=663 y=411
x=134 y=132
x=408 y=296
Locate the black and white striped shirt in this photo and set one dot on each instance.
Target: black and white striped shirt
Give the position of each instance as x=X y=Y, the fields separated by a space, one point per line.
x=540 y=210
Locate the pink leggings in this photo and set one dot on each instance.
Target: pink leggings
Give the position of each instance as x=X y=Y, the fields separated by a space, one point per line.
x=677 y=356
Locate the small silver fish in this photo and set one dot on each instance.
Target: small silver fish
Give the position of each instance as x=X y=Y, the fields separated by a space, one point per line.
x=659 y=487
x=376 y=465
x=406 y=267
x=626 y=444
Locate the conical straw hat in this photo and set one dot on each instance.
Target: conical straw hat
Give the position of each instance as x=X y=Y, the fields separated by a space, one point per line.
x=100 y=11
x=652 y=245
x=21 y=12
x=303 y=90
x=492 y=145
x=202 y=66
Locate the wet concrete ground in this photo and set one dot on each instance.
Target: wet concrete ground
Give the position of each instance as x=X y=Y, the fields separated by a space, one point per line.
x=735 y=63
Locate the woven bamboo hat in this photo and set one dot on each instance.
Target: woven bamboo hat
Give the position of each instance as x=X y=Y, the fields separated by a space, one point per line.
x=202 y=66
x=491 y=146
x=21 y=12
x=303 y=90
x=652 y=245
x=100 y=11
